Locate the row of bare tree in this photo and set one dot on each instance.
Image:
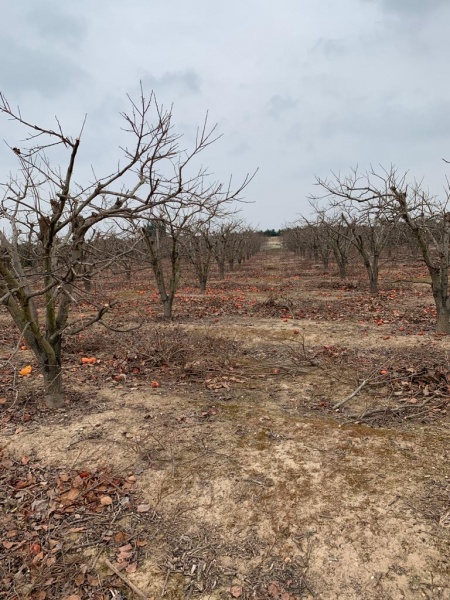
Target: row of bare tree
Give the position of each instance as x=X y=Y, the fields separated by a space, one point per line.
x=376 y=213
x=59 y=229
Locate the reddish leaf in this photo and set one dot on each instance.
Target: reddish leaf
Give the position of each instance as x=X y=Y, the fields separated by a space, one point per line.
x=119 y=537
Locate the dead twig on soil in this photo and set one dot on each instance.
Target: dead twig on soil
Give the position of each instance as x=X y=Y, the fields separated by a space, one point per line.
x=389 y=410
x=128 y=583
x=350 y=396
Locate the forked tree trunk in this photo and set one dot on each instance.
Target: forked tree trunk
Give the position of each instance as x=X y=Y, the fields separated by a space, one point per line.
x=341 y=261
x=372 y=272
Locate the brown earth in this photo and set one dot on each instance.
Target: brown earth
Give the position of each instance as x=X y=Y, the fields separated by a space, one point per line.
x=254 y=486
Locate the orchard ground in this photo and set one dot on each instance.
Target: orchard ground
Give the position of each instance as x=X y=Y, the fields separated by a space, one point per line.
x=206 y=458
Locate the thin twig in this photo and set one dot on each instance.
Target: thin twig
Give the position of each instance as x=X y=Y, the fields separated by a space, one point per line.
x=392 y=410
x=132 y=587
x=164 y=588
x=350 y=396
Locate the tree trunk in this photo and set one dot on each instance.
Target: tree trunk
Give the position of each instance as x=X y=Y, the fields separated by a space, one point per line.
x=372 y=272
x=221 y=265
x=341 y=261
x=441 y=301
x=443 y=321
x=53 y=383
x=342 y=270
x=167 y=305
x=373 y=282
x=87 y=282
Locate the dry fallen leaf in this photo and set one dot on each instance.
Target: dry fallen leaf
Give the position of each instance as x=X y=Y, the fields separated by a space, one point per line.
x=131 y=568
x=236 y=591
x=70 y=495
x=143 y=508
x=124 y=556
x=119 y=537
x=106 y=500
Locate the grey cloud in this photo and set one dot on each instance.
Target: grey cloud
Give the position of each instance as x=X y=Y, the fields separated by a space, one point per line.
x=278 y=105
x=395 y=123
x=410 y=8
x=330 y=47
x=181 y=81
x=52 y=22
x=240 y=149
x=295 y=133
x=36 y=70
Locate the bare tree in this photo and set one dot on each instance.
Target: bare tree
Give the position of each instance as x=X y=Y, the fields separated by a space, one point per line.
x=340 y=242
x=223 y=241
x=198 y=247
x=168 y=227
x=43 y=205
x=295 y=240
x=426 y=216
x=369 y=235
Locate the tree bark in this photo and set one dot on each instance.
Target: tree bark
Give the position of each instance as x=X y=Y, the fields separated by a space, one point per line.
x=221 y=265
x=441 y=301
x=443 y=321
x=167 y=306
x=53 y=380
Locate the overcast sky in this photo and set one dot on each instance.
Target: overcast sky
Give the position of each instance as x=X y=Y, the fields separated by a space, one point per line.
x=298 y=87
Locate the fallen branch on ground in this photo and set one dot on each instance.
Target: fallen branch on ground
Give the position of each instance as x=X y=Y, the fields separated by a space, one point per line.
x=390 y=411
x=350 y=396
x=132 y=587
